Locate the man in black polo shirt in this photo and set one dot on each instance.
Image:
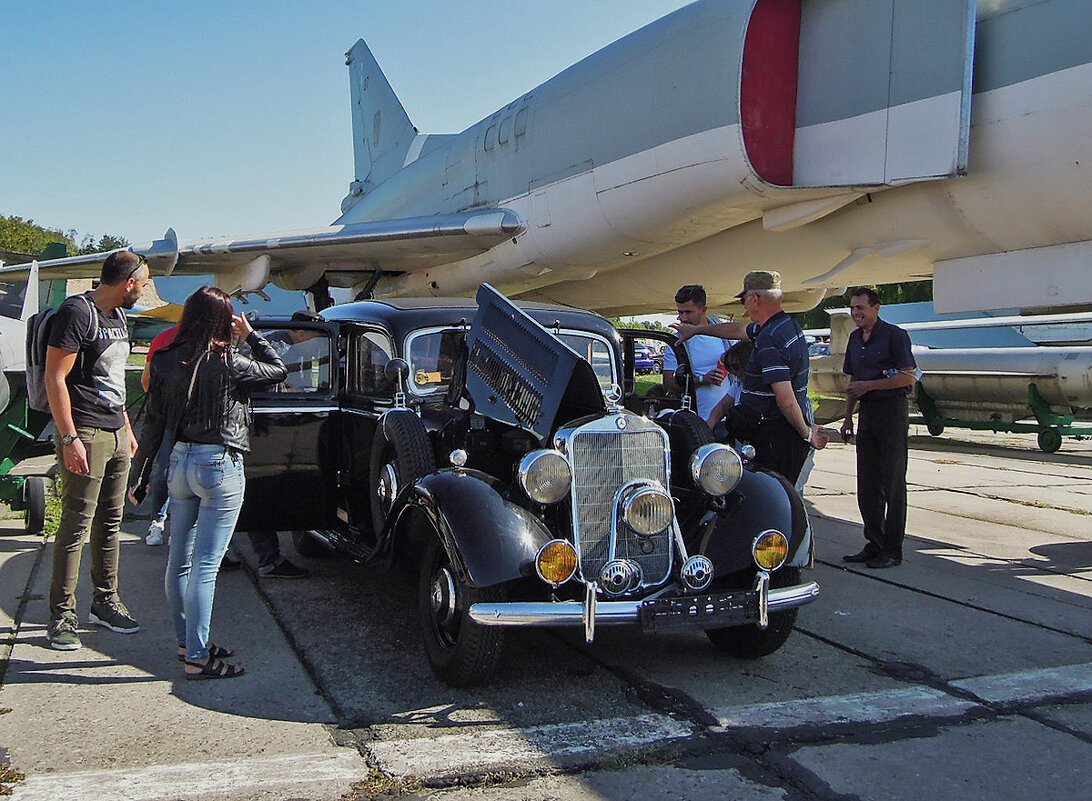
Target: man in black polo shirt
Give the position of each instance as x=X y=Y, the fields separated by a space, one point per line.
x=775 y=385
x=882 y=368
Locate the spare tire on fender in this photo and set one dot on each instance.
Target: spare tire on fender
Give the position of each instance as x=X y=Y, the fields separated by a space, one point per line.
x=687 y=432
x=401 y=454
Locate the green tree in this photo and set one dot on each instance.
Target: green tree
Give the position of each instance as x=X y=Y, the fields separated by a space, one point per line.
x=24 y=236
x=105 y=242
x=905 y=292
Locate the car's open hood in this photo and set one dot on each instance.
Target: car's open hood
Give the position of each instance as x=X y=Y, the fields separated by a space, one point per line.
x=519 y=373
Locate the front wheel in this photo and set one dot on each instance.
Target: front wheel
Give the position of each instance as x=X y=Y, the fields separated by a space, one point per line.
x=462 y=653
x=751 y=642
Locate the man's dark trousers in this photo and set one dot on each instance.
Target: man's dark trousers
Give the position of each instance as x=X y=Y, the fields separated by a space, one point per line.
x=779 y=447
x=882 y=432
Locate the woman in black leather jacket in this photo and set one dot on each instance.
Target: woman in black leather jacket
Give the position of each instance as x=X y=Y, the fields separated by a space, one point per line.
x=198 y=395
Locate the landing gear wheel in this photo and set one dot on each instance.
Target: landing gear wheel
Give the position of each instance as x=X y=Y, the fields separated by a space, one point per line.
x=34 y=496
x=1050 y=439
x=462 y=653
x=936 y=429
x=751 y=642
x=401 y=454
x=308 y=546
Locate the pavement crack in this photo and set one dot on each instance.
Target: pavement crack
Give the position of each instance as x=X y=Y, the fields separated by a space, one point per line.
x=25 y=597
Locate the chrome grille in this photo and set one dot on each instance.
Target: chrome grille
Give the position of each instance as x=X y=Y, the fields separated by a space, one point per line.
x=604 y=459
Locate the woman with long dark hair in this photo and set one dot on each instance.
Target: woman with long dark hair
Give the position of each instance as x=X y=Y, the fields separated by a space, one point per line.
x=198 y=396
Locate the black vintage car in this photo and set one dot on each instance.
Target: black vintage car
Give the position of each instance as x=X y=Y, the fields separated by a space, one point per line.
x=496 y=448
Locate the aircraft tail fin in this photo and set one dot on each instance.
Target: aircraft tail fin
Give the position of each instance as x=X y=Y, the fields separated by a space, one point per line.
x=382 y=131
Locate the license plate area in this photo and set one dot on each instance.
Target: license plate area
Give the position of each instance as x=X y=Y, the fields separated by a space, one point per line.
x=700 y=611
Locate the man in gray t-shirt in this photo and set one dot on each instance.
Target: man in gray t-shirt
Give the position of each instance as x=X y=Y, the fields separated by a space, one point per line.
x=85 y=381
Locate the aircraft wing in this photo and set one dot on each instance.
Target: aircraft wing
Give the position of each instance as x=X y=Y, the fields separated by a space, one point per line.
x=346 y=255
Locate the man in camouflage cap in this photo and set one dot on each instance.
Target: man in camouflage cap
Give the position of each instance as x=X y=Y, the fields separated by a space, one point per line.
x=774 y=406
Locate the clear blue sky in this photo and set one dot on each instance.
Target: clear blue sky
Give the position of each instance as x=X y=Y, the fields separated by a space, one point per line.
x=231 y=118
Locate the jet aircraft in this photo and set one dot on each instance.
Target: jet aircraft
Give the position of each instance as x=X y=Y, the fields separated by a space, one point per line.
x=842 y=143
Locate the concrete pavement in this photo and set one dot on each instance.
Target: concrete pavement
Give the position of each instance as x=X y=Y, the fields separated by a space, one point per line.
x=965 y=673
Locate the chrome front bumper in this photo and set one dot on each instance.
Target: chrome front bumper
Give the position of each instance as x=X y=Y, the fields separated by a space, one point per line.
x=575 y=613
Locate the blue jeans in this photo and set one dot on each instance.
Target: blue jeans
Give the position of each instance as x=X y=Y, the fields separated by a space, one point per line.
x=206 y=485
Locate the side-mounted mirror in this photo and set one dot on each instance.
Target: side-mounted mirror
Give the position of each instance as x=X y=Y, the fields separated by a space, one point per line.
x=396 y=370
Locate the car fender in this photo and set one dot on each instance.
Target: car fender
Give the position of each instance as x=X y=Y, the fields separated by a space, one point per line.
x=490 y=539
x=761 y=502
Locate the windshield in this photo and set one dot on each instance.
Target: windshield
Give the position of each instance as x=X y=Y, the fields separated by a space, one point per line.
x=432 y=354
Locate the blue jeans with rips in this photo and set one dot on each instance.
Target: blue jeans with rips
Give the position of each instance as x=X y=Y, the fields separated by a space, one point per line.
x=206 y=490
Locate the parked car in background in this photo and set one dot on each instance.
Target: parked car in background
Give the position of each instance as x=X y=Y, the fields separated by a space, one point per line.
x=489 y=447
x=647 y=360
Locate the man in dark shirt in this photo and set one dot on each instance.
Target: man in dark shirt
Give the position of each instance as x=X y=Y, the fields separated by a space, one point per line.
x=882 y=369
x=85 y=381
x=775 y=385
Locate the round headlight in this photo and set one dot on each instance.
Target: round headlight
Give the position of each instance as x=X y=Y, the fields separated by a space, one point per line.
x=648 y=511
x=555 y=562
x=545 y=476
x=770 y=549
x=715 y=468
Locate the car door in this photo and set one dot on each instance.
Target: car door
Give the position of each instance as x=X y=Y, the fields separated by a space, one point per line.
x=647 y=394
x=291 y=469
x=368 y=392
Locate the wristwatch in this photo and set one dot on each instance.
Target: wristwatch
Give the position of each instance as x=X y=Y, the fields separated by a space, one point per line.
x=68 y=439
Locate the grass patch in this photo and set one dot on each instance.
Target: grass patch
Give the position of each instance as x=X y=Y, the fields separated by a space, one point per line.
x=52 y=508
x=9 y=776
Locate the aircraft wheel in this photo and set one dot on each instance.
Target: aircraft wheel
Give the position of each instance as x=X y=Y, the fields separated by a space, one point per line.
x=1050 y=439
x=936 y=429
x=34 y=496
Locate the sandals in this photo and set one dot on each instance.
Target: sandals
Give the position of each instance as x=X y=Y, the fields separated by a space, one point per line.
x=215 y=669
x=215 y=652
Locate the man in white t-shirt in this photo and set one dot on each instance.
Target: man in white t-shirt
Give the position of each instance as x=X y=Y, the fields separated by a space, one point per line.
x=704 y=353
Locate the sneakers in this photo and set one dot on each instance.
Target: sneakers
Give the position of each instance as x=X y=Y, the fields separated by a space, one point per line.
x=62 y=633
x=113 y=616
x=282 y=568
x=155 y=533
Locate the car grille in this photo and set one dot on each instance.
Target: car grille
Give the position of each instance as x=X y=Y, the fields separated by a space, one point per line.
x=605 y=458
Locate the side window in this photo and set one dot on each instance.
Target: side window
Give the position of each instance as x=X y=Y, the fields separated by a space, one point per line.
x=370 y=352
x=306 y=354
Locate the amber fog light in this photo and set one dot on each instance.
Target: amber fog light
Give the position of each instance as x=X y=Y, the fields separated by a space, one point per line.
x=545 y=476
x=555 y=562
x=648 y=511
x=715 y=468
x=770 y=549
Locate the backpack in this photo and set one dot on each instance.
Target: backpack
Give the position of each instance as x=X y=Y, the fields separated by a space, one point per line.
x=38 y=327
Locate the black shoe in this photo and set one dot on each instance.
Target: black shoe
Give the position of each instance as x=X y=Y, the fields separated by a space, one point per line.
x=883 y=560
x=282 y=568
x=227 y=564
x=862 y=555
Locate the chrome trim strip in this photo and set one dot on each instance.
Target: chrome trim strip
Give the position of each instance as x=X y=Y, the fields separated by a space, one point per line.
x=571 y=613
x=293 y=409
